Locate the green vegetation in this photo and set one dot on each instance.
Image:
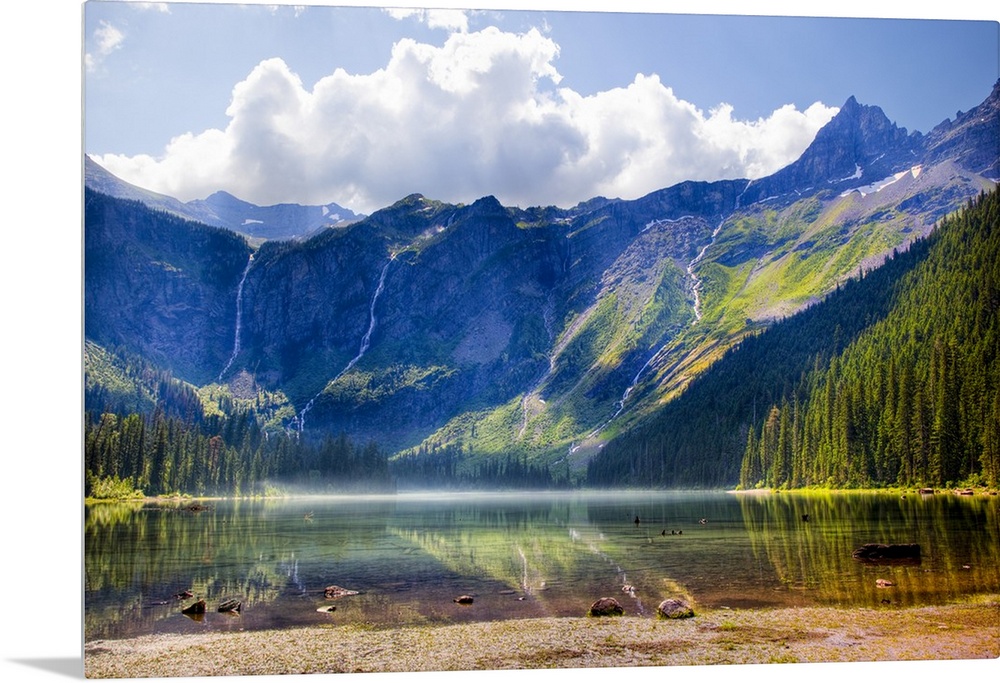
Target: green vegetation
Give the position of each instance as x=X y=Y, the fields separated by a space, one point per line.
x=148 y=433
x=111 y=488
x=915 y=398
x=892 y=380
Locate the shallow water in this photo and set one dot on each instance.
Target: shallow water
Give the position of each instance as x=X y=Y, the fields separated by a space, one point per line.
x=521 y=555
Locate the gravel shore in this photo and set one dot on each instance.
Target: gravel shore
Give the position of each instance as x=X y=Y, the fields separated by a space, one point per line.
x=966 y=631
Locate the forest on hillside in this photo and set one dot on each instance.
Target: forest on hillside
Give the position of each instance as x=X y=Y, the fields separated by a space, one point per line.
x=892 y=380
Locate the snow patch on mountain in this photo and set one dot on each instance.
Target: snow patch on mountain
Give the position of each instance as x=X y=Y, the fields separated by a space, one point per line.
x=880 y=185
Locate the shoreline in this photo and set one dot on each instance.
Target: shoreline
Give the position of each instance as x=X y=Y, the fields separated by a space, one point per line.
x=968 y=630
x=976 y=492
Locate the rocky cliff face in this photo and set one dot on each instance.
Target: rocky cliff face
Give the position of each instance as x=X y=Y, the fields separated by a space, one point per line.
x=972 y=139
x=160 y=286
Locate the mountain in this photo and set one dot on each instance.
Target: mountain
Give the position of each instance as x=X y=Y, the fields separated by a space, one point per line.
x=223 y=210
x=494 y=331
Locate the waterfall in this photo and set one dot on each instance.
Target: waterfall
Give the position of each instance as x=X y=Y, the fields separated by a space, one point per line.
x=239 y=317
x=365 y=342
x=695 y=280
x=696 y=288
x=621 y=401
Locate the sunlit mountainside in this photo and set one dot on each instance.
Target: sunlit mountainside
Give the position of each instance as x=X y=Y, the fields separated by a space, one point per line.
x=461 y=337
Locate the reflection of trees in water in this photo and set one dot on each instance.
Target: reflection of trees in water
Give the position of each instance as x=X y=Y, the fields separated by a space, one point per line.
x=958 y=538
x=137 y=556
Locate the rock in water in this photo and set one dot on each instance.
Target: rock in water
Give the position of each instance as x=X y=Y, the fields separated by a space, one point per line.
x=674 y=609
x=884 y=551
x=606 y=607
x=231 y=606
x=196 y=608
x=337 y=592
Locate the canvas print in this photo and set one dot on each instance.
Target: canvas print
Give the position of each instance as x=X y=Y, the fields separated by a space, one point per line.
x=477 y=339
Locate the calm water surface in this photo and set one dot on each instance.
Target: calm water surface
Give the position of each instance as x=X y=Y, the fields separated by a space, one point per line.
x=521 y=555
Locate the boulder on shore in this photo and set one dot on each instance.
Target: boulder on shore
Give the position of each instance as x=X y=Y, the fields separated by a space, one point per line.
x=606 y=607
x=672 y=608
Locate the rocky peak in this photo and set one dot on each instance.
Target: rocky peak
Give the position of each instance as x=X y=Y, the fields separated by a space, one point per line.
x=860 y=142
x=972 y=139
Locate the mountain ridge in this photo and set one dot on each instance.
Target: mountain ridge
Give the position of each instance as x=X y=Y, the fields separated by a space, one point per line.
x=540 y=331
x=223 y=210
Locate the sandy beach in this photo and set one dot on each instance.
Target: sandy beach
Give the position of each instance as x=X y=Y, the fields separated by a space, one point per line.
x=961 y=631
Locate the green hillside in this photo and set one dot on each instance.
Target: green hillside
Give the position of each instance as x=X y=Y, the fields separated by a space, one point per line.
x=893 y=379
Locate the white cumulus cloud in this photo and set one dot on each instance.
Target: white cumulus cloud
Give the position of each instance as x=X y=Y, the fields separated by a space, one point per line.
x=481 y=114
x=106 y=39
x=161 y=7
x=448 y=19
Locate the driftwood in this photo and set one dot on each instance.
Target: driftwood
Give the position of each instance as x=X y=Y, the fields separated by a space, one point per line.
x=231 y=606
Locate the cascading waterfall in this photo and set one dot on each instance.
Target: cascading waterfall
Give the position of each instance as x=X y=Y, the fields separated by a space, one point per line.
x=625 y=395
x=365 y=342
x=239 y=318
x=695 y=280
x=696 y=288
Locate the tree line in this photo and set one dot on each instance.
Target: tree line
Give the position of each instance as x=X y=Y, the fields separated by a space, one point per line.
x=160 y=454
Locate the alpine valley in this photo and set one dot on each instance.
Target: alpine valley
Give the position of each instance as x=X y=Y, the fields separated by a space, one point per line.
x=834 y=324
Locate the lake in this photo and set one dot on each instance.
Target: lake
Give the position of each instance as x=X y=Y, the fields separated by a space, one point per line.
x=521 y=555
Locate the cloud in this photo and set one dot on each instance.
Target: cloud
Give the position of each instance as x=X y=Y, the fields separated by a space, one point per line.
x=481 y=114
x=161 y=7
x=448 y=19
x=107 y=39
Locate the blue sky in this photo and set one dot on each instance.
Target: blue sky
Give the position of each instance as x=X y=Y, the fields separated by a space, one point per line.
x=362 y=105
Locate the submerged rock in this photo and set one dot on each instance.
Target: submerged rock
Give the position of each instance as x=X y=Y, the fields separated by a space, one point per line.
x=887 y=551
x=196 y=608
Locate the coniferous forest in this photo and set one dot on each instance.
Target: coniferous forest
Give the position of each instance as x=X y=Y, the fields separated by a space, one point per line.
x=893 y=380
x=915 y=398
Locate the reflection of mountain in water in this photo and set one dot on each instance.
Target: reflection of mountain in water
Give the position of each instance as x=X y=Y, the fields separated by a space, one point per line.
x=409 y=557
x=523 y=546
x=958 y=539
